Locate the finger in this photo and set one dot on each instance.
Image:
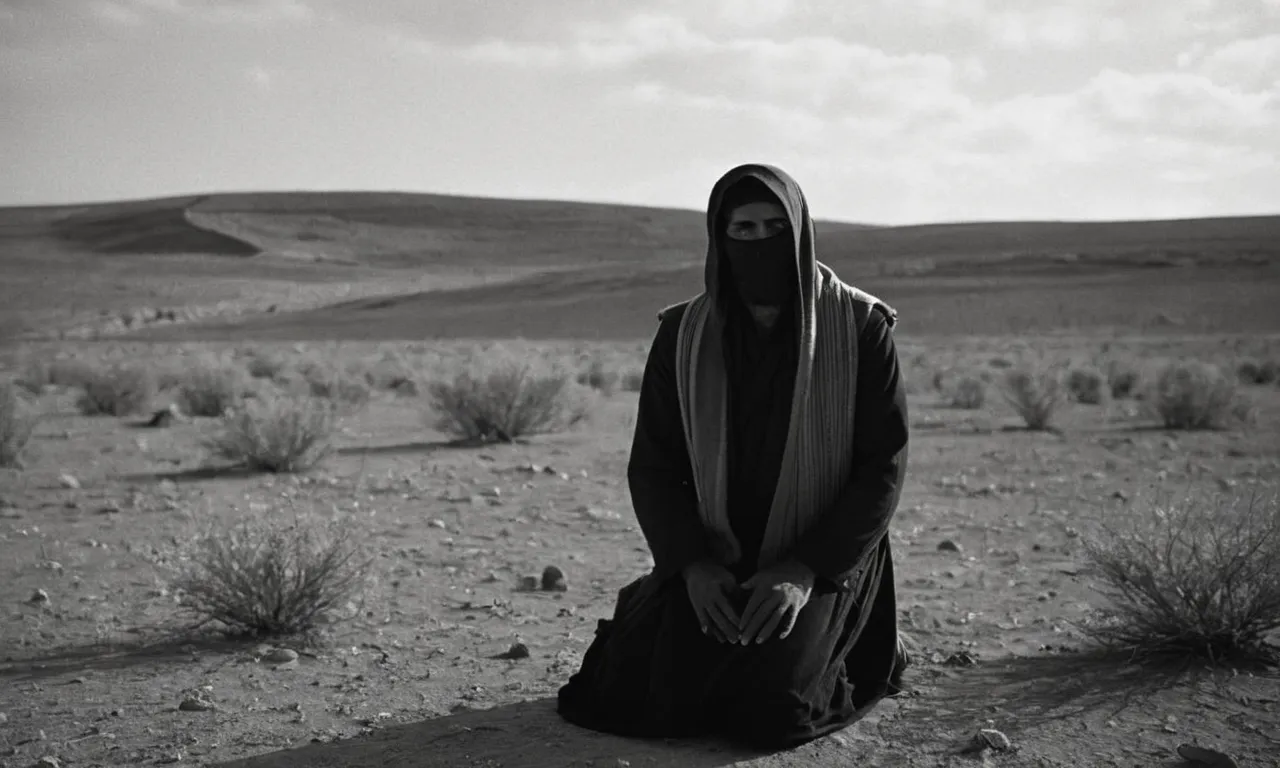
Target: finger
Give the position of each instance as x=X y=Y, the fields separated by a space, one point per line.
x=721 y=614
x=793 y=614
x=699 y=613
x=754 y=606
x=761 y=619
x=771 y=625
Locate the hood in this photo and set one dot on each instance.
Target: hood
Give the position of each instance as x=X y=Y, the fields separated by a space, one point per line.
x=788 y=193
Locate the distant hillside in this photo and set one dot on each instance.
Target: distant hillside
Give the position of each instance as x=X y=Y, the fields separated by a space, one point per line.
x=419 y=231
x=446 y=266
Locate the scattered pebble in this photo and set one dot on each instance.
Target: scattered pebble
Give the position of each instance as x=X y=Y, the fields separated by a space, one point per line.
x=195 y=704
x=553 y=580
x=515 y=652
x=68 y=481
x=281 y=656
x=48 y=761
x=947 y=545
x=38 y=597
x=1209 y=758
x=990 y=738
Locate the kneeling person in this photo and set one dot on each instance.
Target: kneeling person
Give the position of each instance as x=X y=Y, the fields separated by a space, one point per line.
x=768 y=456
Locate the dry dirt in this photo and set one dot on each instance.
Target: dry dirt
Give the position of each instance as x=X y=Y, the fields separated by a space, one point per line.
x=407 y=677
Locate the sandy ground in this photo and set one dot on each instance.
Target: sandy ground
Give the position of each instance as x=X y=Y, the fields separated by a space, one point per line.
x=407 y=676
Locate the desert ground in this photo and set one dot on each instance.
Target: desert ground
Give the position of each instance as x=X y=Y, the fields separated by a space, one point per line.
x=98 y=652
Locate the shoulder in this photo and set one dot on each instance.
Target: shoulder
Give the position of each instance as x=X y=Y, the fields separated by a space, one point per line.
x=673 y=313
x=666 y=336
x=870 y=312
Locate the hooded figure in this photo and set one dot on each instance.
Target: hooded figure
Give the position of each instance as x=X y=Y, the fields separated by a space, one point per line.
x=767 y=461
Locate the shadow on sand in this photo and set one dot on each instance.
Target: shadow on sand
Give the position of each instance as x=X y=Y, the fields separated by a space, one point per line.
x=527 y=734
x=115 y=656
x=429 y=446
x=1029 y=692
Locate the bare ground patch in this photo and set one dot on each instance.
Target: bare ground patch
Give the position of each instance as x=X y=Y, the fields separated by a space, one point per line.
x=95 y=672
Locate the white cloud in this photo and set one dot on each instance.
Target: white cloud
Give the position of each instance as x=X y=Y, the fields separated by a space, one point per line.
x=230 y=11
x=1251 y=64
x=261 y=77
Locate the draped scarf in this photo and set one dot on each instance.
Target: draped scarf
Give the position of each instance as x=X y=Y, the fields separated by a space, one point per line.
x=818 y=454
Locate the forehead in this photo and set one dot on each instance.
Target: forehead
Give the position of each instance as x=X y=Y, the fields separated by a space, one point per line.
x=757 y=211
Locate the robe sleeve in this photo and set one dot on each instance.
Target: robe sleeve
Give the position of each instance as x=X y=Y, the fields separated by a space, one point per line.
x=659 y=472
x=841 y=540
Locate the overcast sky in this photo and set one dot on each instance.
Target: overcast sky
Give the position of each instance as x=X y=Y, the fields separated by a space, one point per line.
x=887 y=111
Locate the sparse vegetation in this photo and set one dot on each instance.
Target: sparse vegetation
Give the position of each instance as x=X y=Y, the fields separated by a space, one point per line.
x=968 y=392
x=393 y=374
x=269 y=576
x=632 y=380
x=341 y=386
x=121 y=390
x=1195 y=395
x=599 y=377
x=280 y=434
x=209 y=390
x=1122 y=378
x=1035 y=393
x=1198 y=576
x=265 y=366
x=1087 y=385
x=1254 y=372
x=69 y=372
x=504 y=402
x=16 y=425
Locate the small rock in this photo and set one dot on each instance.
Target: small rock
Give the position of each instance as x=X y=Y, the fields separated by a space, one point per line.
x=1225 y=484
x=3 y=718
x=515 y=652
x=281 y=656
x=990 y=738
x=553 y=580
x=436 y=523
x=164 y=418
x=39 y=597
x=194 y=704
x=48 y=761
x=1210 y=758
x=947 y=545
x=68 y=481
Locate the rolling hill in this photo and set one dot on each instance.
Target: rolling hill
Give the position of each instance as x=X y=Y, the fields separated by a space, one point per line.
x=585 y=270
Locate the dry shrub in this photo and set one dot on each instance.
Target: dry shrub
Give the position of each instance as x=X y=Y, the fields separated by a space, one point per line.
x=209 y=390
x=16 y=425
x=1197 y=576
x=1254 y=372
x=342 y=386
x=278 y=434
x=273 y=575
x=1122 y=378
x=264 y=366
x=393 y=374
x=632 y=380
x=505 y=401
x=599 y=377
x=1088 y=386
x=120 y=390
x=968 y=391
x=1196 y=395
x=67 y=372
x=1035 y=393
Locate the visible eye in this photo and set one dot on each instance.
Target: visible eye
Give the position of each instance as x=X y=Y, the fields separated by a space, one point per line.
x=778 y=225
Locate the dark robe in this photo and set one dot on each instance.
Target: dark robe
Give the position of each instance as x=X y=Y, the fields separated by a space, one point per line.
x=650 y=670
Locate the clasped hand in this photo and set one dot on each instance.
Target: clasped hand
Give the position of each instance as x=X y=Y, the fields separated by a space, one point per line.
x=777 y=594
